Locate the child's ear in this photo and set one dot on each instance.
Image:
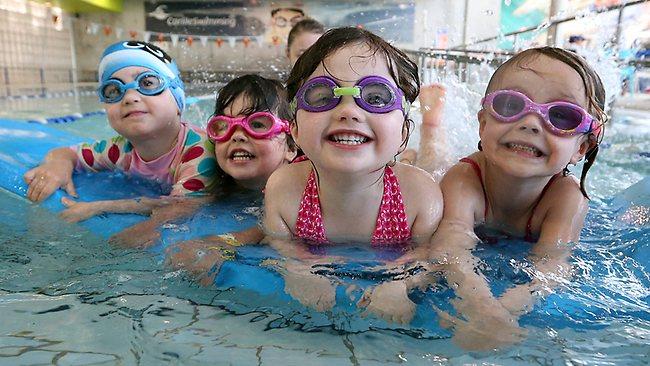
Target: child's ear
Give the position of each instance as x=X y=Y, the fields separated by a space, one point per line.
x=294 y=131
x=587 y=143
x=290 y=154
x=481 y=116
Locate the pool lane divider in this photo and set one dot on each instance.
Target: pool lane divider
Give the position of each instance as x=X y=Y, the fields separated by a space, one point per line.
x=76 y=116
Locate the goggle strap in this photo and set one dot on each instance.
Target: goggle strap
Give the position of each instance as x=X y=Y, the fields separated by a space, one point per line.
x=354 y=91
x=406 y=106
x=293 y=106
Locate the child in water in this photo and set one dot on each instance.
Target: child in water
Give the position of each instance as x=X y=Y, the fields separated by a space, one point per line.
x=351 y=92
x=141 y=90
x=543 y=110
x=252 y=140
x=301 y=37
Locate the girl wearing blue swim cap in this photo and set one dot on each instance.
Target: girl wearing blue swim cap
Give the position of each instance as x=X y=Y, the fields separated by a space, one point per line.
x=141 y=90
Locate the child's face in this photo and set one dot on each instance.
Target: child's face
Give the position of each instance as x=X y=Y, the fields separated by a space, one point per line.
x=248 y=160
x=300 y=44
x=348 y=138
x=526 y=148
x=138 y=116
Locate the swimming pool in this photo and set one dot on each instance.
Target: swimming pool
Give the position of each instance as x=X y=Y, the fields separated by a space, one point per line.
x=66 y=297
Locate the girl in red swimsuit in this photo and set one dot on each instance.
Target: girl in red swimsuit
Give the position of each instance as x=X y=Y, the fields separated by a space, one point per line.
x=542 y=111
x=351 y=93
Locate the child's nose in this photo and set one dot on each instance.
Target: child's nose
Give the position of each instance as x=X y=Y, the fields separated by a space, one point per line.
x=239 y=134
x=131 y=95
x=531 y=122
x=348 y=110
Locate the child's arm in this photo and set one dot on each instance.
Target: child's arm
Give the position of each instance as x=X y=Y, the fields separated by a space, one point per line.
x=549 y=256
x=203 y=257
x=485 y=322
x=163 y=210
x=55 y=172
x=389 y=300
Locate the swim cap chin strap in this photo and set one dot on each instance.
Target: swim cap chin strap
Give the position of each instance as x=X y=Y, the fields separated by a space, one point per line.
x=134 y=53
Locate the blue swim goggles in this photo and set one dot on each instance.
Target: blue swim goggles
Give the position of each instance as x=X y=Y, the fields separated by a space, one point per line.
x=147 y=83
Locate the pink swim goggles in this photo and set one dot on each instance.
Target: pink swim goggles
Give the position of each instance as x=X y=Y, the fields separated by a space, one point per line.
x=561 y=118
x=259 y=125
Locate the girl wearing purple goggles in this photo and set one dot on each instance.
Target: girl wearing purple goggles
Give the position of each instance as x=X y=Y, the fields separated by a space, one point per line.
x=351 y=93
x=542 y=112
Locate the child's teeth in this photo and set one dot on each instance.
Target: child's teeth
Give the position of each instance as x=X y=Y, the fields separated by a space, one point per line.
x=242 y=155
x=529 y=149
x=349 y=139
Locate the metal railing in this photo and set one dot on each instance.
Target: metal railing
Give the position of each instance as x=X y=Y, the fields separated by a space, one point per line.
x=436 y=64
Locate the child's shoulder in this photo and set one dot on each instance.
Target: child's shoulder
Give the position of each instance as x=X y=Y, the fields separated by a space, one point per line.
x=417 y=184
x=564 y=192
x=289 y=178
x=467 y=170
x=412 y=175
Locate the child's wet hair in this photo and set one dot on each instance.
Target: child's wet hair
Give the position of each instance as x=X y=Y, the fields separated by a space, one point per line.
x=403 y=71
x=307 y=25
x=594 y=90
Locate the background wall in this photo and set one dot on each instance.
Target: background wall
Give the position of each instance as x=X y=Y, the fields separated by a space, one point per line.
x=44 y=49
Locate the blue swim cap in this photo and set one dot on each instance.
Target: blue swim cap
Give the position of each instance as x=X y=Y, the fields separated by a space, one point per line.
x=137 y=53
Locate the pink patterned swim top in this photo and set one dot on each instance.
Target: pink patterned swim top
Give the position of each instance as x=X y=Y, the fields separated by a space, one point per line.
x=392 y=225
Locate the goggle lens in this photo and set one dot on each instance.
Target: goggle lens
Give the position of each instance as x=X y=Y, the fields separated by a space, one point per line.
x=111 y=92
x=150 y=83
x=319 y=95
x=564 y=117
x=377 y=95
x=260 y=124
x=508 y=105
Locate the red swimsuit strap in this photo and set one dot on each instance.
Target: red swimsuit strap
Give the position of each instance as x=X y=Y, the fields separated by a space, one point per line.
x=529 y=232
x=309 y=223
x=392 y=225
x=479 y=174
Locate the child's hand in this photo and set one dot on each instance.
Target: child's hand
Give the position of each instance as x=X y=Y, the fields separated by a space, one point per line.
x=482 y=333
x=202 y=258
x=140 y=235
x=43 y=180
x=311 y=290
x=79 y=211
x=389 y=301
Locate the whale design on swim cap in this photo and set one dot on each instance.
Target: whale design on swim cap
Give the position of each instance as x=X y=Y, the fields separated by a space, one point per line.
x=137 y=53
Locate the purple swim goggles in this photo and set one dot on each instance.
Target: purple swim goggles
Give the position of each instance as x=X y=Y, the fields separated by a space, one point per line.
x=374 y=94
x=561 y=118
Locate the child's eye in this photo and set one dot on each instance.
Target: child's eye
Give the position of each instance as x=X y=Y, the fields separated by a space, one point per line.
x=150 y=82
x=111 y=92
x=260 y=124
x=377 y=95
x=375 y=99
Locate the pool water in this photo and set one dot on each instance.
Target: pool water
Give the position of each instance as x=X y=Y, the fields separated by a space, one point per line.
x=68 y=298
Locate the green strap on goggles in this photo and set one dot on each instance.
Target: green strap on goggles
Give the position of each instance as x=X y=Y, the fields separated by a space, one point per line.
x=354 y=91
